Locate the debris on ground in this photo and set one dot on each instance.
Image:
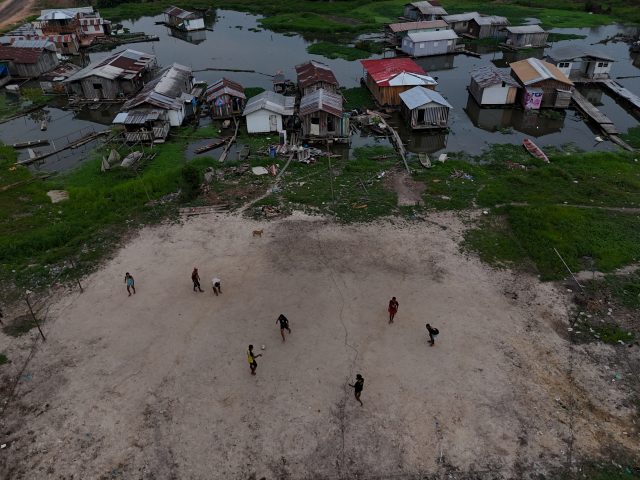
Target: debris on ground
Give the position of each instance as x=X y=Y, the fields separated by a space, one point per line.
x=168 y=198
x=259 y=171
x=461 y=174
x=57 y=196
x=515 y=166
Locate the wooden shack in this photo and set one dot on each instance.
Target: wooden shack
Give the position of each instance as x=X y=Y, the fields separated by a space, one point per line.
x=315 y=75
x=321 y=116
x=491 y=86
x=225 y=98
x=184 y=20
x=67 y=43
x=123 y=73
x=425 y=109
x=387 y=78
x=459 y=23
x=418 y=11
x=544 y=85
x=84 y=22
x=29 y=58
x=425 y=44
x=526 y=36
x=490 y=26
x=579 y=63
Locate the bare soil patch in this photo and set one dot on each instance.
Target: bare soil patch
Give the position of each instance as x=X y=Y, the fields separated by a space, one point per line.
x=157 y=385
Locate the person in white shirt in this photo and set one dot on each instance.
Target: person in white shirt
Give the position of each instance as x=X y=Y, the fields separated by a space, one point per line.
x=216 y=285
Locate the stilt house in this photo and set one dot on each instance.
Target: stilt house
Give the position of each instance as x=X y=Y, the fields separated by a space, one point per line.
x=425 y=109
x=321 y=115
x=388 y=77
x=226 y=99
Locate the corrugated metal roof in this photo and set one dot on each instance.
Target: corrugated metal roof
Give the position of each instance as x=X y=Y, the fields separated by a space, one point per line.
x=222 y=87
x=488 y=75
x=271 y=101
x=419 y=96
x=533 y=70
x=63 y=13
x=460 y=17
x=126 y=64
x=42 y=43
x=313 y=72
x=432 y=36
x=323 y=100
x=164 y=91
x=63 y=70
x=525 y=29
x=577 y=53
x=428 y=9
x=180 y=13
x=26 y=29
x=491 y=20
x=408 y=26
x=384 y=70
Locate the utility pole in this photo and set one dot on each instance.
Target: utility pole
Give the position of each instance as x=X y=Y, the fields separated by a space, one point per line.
x=33 y=315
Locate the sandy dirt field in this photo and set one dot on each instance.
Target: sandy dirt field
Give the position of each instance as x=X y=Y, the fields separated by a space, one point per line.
x=13 y=11
x=157 y=385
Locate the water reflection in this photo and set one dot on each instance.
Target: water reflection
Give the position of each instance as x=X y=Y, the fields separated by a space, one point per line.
x=510 y=56
x=196 y=36
x=534 y=124
x=437 y=63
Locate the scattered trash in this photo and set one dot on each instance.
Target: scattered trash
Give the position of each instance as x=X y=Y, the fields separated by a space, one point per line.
x=461 y=174
x=443 y=157
x=273 y=169
x=57 y=196
x=355 y=205
x=381 y=174
x=599 y=139
x=131 y=159
x=515 y=166
x=259 y=171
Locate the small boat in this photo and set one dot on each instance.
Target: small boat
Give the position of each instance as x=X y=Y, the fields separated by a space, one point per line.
x=210 y=146
x=534 y=150
x=424 y=160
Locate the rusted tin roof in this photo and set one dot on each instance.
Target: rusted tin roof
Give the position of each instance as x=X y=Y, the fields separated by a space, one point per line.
x=180 y=13
x=126 y=64
x=27 y=54
x=488 y=76
x=225 y=86
x=314 y=72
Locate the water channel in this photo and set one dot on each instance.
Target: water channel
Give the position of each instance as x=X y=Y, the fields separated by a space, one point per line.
x=236 y=41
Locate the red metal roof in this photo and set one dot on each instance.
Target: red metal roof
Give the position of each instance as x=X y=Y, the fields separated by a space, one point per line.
x=314 y=72
x=381 y=71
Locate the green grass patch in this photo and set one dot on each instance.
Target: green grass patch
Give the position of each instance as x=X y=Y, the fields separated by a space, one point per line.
x=3 y=359
x=252 y=91
x=559 y=37
x=333 y=50
x=28 y=98
x=357 y=97
x=632 y=137
x=528 y=235
x=612 y=334
x=623 y=288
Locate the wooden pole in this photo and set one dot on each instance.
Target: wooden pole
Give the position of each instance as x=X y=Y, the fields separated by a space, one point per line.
x=33 y=315
x=73 y=264
x=568 y=269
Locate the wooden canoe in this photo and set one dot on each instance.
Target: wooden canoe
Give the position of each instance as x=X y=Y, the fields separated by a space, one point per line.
x=534 y=150
x=424 y=160
x=210 y=146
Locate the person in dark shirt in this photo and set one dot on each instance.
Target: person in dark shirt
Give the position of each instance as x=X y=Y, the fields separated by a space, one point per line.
x=357 y=388
x=393 y=308
x=284 y=325
x=433 y=333
x=195 y=278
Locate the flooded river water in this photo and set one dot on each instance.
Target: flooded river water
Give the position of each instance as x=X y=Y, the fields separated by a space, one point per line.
x=236 y=41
